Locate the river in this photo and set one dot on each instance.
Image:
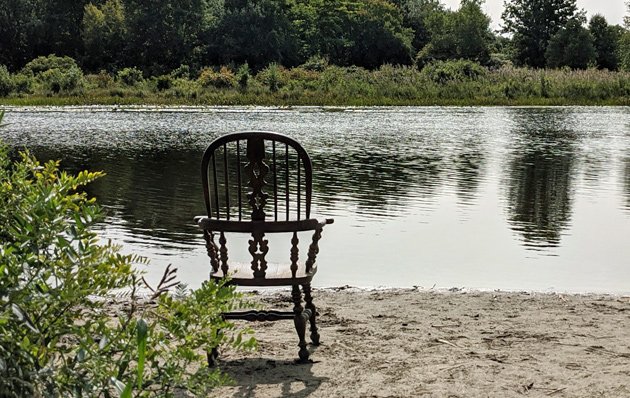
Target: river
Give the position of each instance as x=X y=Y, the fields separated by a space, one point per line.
x=531 y=198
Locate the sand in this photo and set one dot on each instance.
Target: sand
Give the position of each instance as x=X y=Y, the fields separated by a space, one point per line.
x=421 y=342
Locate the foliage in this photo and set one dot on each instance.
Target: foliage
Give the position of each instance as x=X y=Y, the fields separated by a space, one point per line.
x=257 y=32
x=42 y=64
x=571 y=46
x=224 y=78
x=455 y=82
x=20 y=31
x=56 y=74
x=444 y=71
x=181 y=72
x=243 y=76
x=161 y=35
x=461 y=34
x=606 y=42
x=532 y=24
x=163 y=82
x=6 y=82
x=416 y=15
x=624 y=42
x=130 y=76
x=367 y=33
x=104 y=33
x=61 y=334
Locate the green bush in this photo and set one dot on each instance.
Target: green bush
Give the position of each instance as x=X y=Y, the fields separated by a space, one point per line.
x=130 y=76
x=242 y=75
x=444 y=71
x=163 y=82
x=23 y=83
x=315 y=63
x=42 y=64
x=224 y=78
x=273 y=76
x=58 y=80
x=182 y=72
x=101 y=80
x=6 y=82
x=55 y=74
x=60 y=334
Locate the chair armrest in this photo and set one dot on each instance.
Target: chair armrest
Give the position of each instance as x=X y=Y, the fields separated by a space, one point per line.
x=211 y=224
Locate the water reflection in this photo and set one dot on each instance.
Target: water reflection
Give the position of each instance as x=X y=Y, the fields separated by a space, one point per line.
x=541 y=173
x=469 y=162
x=153 y=193
x=419 y=185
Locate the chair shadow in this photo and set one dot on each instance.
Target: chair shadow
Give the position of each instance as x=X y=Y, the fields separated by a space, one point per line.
x=249 y=373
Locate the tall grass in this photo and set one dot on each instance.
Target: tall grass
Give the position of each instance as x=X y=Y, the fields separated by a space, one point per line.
x=441 y=83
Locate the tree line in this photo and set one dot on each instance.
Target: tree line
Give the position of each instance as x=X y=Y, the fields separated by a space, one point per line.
x=158 y=36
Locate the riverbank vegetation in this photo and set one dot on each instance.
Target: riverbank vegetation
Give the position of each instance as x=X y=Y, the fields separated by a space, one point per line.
x=307 y=52
x=59 y=81
x=71 y=320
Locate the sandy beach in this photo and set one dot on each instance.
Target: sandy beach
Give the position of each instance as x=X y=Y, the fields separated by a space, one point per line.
x=423 y=342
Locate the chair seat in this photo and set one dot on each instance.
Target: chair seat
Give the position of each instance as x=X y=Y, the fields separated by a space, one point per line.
x=275 y=275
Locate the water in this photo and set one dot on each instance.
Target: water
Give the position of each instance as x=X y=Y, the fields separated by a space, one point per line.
x=491 y=198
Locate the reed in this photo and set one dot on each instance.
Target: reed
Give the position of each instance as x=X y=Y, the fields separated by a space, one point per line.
x=440 y=83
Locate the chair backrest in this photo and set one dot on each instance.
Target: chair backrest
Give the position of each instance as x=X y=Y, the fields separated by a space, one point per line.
x=257 y=176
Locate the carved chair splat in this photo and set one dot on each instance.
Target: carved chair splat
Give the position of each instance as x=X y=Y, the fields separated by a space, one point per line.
x=260 y=183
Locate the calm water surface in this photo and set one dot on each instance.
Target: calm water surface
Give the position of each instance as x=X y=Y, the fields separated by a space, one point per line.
x=492 y=198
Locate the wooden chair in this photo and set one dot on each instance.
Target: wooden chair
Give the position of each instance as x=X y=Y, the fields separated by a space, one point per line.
x=260 y=183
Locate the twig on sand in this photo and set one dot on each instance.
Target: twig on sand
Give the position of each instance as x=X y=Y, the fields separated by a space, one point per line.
x=448 y=343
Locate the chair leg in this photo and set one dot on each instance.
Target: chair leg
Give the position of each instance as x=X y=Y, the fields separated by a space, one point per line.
x=212 y=357
x=310 y=306
x=300 y=322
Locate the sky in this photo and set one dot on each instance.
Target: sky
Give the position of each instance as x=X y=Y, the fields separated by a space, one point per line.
x=612 y=10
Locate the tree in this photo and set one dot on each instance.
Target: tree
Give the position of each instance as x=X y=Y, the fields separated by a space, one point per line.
x=365 y=33
x=104 y=34
x=62 y=28
x=606 y=42
x=378 y=35
x=532 y=24
x=624 y=42
x=472 y=31
x=163 y=34
x=462 y=34
x=258 y=32
x=21 y=24
x=571 y=46
x=415 y=14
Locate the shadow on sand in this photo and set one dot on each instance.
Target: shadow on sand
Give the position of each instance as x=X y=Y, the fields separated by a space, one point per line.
x=293 y=379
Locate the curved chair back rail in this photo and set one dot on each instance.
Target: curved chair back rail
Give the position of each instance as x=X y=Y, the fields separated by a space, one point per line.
x=244 y=172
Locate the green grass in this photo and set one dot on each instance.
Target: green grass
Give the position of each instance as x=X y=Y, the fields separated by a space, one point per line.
x=447 y=83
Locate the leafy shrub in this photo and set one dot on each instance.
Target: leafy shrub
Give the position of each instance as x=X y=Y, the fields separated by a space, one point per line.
x=59 y=335
x=42 y=64
x=58 y=80
x=184 y=88
x=242 y=75
x=23 y=83
x=101 y=80
x=182 y=72
x=316 y=63
x=273 y=77
x=6 y=82
x=130 y=76
x=163 y=82
x=445 y=71
x=223 y=79
x=56 y=74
